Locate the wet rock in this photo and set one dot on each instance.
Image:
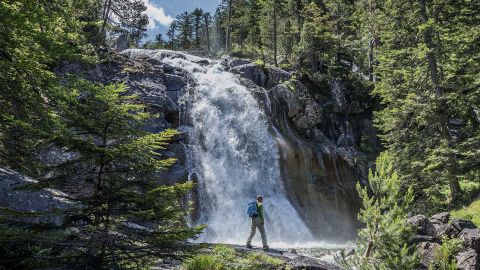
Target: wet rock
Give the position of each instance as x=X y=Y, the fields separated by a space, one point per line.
x=35 y=203
x=261 y=75
x=468 y=260
x=254 y=72
x=232 y=62
x=349 y=251
x=286 y=96
x=277 y=76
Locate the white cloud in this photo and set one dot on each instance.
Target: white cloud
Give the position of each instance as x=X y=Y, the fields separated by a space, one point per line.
x=156 y=15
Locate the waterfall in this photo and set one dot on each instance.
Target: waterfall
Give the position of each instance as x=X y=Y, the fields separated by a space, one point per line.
x=235 y=157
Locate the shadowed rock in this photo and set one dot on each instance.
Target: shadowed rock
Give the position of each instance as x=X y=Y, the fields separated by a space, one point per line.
x=41 y=206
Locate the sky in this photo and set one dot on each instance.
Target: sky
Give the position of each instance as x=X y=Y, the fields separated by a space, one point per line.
x=162 y=12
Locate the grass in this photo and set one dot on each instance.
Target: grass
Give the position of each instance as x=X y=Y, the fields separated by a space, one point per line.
x=471 y=212
x=204 y=262
x=224 y=257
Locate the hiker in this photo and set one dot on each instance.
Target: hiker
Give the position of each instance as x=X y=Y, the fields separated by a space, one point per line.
x=255 y=211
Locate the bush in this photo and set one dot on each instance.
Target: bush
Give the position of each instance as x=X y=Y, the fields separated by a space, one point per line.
x=204 y=262
x=445 y=255
x=225 y=257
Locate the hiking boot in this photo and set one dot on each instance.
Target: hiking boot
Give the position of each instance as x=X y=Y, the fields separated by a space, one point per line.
x=249 y=246
x=265 y=248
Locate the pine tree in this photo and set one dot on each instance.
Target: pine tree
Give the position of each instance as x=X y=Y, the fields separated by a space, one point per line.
x=384 y=242
x=316 y=39
x=171 y=33
x=185 y=29
x=424 y=83
x=128 y=216
x=197 y=15
x=125 y=17
x=122 y=217
x=207 y=19
x=33 y=37
x=160 y=43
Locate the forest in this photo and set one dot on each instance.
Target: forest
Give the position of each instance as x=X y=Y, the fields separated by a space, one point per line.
x=415 y=61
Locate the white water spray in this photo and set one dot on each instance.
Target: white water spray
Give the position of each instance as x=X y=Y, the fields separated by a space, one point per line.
x=236 y=158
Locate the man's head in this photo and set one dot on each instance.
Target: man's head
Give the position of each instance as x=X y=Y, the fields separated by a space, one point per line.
x=259 y=198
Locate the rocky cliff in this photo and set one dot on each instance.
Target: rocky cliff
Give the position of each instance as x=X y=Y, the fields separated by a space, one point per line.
x=319 y=128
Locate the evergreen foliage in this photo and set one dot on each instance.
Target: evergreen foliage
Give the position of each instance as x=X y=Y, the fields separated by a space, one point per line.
x=107 y=165
x=122 y=217
x=384 y=242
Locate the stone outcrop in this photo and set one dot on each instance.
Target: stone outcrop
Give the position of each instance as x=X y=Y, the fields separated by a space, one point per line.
x=33 y=206
x=291 y=259
x=319 y=127
x=157 y=85
x=432 y=232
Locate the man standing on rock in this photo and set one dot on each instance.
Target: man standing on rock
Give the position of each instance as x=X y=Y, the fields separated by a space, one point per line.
x=258 y=222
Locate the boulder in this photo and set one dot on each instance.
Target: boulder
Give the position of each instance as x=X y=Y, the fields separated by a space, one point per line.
x=37 y=204
x=261 y=75
x=426 y=250
x=471 y=238
x=468 y=260
x=461 y=224
x=232 y=62
x=423 y=225
x=286 y=96
x=254 y=72
x=446 y=230
x=440 y=218
x=277 y=76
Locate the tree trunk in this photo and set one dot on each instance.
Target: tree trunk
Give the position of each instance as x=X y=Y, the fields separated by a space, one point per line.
x=370 y=60
x=106 y=15
x=227 y=41
x=207 y=33
x=275 y=33
x=454 y=184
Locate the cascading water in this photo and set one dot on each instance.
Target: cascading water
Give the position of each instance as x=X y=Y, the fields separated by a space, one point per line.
x=235 y=157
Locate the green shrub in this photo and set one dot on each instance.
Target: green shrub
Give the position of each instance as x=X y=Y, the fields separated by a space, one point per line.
x=259 y=259
x=445 y=255
x=204 y=262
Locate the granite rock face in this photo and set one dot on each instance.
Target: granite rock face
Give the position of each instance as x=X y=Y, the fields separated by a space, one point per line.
x=35 y=206
x=319 y=128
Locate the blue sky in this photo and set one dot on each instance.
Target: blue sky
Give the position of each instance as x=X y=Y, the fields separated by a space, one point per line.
x=162 y=12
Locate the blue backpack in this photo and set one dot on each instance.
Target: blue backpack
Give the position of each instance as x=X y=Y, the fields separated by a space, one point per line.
x=252 y=209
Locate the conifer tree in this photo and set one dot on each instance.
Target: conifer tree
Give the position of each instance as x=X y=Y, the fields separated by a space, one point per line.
x=384 y=242
x=424 y=81
x=171 y=33
x=33 y=37
x=127 y=217
x=185 y=29
x=207 y=19
x=197 y=15
x=122 y=217
x=125 y=17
